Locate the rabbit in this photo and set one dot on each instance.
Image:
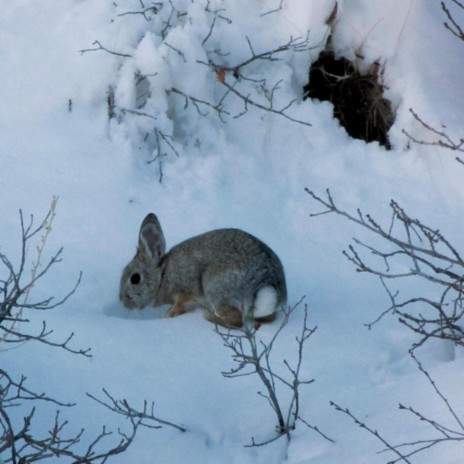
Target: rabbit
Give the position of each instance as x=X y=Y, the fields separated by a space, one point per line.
x=230 y=274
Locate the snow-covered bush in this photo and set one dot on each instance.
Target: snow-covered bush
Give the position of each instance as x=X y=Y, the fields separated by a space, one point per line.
x=186 y=68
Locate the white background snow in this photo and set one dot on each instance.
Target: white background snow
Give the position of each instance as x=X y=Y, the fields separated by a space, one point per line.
x=249 y=172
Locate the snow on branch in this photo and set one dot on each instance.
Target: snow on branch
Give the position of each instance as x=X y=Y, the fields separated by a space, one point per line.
x=233 y=88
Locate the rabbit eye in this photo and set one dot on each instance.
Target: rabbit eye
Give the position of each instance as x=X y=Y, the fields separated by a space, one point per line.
x=135 y=279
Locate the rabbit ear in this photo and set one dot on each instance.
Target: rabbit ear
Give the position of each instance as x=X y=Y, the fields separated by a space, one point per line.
x=151 y=238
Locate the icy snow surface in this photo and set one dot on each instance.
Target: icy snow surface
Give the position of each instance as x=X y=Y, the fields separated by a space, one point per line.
x=247 y=172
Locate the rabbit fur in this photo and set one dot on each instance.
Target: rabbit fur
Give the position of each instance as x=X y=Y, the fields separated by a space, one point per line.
x=230 y=274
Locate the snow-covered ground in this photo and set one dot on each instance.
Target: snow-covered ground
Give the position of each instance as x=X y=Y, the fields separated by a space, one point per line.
x=248 y=172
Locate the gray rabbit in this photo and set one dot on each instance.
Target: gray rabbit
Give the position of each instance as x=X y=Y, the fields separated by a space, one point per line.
x=231 y=275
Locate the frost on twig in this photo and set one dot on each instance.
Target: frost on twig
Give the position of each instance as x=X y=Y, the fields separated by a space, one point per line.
x=254 y=356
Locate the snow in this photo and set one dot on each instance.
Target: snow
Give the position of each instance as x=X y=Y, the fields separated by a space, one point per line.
x=247 y=172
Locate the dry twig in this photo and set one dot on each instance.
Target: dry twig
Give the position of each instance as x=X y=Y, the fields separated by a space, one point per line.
x=253 y=356
x=413 y=250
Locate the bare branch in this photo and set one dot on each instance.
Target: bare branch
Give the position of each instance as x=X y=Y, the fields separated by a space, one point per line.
x=20 y=440
x=179 y=52
x=254 y=357
x=138 y=113
x=453 y=26
x=24 y=445
x=375 y=433
x=275 y=10
x=417 y=251
x=154 y=10
x=100 y=47
x=248 y=101
x=144 y=417
x=443 y=398
x=198 y=103
x=443 y=140
x=15 y=289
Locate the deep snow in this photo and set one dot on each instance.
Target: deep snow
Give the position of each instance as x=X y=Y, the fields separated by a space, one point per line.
x=249 y=172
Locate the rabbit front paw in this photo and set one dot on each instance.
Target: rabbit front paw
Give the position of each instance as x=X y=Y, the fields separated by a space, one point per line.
x=174 y=311
x=180 y=305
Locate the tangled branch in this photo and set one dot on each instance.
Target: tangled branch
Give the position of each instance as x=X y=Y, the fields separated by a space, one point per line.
x=415 y=250
x=15 y=289
x=253 y=356
x=22 y=444
x=239 y=75
x=21 y=441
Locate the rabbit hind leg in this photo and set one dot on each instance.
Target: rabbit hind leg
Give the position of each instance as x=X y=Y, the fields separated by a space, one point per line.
x=225 y=315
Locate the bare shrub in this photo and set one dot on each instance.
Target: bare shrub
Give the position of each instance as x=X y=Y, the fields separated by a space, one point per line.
x=22 y=440
x=254 y=356
x=413 y=250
